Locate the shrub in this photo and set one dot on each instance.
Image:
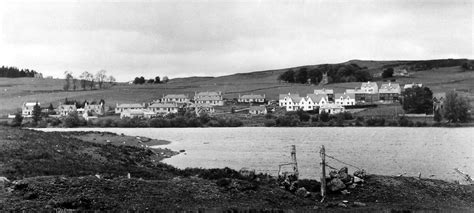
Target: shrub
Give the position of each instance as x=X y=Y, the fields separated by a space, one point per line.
x=324 y=116
x=270 y=123
x=72 y=120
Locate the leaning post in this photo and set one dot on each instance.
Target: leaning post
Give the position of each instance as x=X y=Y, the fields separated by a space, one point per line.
x=322 y=152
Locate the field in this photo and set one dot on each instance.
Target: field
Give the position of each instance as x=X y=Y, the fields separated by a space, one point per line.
x=16 y=91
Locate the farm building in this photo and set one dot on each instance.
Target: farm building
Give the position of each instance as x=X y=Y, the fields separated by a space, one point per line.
x=252 y=98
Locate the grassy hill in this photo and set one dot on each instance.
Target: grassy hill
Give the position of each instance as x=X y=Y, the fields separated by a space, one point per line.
x=439 y=75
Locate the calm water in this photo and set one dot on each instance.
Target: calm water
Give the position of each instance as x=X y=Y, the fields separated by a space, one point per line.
x=434 y=152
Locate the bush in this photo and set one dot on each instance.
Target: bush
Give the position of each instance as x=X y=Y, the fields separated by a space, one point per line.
x=288 y=120
x=403 y=121
x=72 y=120
x=270 y=123
x=324 y=116
x=375 y=122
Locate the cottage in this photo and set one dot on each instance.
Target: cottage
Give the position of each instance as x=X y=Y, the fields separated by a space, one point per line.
x=345 y=99
x=400 y=72
x=175 y=98
x=119 y=108
x=251 y=98
x=97 y=109
x=211 y=98
x=132 y=113
x=66 y=109
x=369 y=87
x=163 y=108
x=27 y=109
x=331 y=108
x=203 y=108
x=409 y=86
x=258 y=110
x=324 y=91
x=312 y=101
x=290 y=101
x=390 y=92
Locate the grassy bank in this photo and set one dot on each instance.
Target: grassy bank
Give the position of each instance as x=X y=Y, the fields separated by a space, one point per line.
x=83 y=171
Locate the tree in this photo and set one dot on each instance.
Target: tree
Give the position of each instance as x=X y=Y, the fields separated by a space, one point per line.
x=83 y=81
x=437 y=116
x=36 y=113
x=74 y=83
x=456 y=107
x=165 y=79
x=111 y=79
x=418 y=100
x=17 y=120
x=100 y=77
x=151 y=81
x=67 y=78
x=157 y=80
x=387 y=73
x=302 y=76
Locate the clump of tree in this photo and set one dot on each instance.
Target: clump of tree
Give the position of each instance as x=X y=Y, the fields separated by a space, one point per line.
x=156 y=80
x=335 y=72
x=456 y=108
x=417 y=100
x=387 y=73
x=87 y=80
x=13 y=72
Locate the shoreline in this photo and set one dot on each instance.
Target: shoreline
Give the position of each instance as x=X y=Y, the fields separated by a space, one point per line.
x=160 y=186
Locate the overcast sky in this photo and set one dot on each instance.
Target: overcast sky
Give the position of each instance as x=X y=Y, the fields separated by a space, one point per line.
x=211 y=38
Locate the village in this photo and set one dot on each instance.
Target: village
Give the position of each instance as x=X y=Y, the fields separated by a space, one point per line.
x=213 y=103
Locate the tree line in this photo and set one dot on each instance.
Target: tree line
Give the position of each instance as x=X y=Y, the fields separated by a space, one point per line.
x=13 y=72
x=335 y=73
x=156 y=80
x=87 y=80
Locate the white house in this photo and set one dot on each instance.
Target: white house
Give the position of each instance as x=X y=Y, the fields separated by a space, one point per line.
x=65 y=109
x=98 y=109
x=176 y=98
x=27 y=109
x=163 y=108
x=324 y=91
x=290 y=101
x=251 y=98
x=331 y=108
x=211 y=98
x=119 y=108
x=312 y=101
x=390 y=92
x=369 y=87
x=345 y=99
x=409 y=86
x=203 y=108
x=258 y=110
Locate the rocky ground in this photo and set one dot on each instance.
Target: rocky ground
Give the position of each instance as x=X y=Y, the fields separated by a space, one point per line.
x=97 y=171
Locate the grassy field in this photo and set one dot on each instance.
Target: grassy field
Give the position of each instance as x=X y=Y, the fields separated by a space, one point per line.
x=16 y=91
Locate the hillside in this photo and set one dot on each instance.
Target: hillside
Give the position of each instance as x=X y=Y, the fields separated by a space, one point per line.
x=439 y=75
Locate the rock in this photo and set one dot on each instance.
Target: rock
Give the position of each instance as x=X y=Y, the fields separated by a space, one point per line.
x=336 y=184
x=345 y=192
x=345 y=178
x=342 y=205
x=343 y=170
x=301 y=192
x=360 y=204
x=333 y=174
x=360 y=173
x=358 y=180
x=182 y=150
x=352 y=186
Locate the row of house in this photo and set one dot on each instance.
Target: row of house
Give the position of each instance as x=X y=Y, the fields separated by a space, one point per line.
x=89 y=110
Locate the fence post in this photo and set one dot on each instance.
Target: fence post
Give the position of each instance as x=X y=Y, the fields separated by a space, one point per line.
x=323 y=172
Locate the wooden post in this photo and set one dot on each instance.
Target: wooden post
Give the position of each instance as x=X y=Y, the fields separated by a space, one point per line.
x=323 y=172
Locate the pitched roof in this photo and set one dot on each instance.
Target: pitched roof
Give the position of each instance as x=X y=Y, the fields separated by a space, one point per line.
x=317 y=97
x=291 y=96
x=135 y=105
x=344 y=95
x=439 y=95
x=171 y=96
x=31 y=103
x=252 y=96
x=208 y=94
x=163 y=105
x=369 y=84
x=390 y=88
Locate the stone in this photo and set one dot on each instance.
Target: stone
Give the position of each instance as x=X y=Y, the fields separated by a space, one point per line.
x=342 y=205
x=301 y=192
x=345 y=192
x=343 y=170
x=358 y=180
x=360 y=204
x=360 y=173
x=333 y=174
x=336 y=184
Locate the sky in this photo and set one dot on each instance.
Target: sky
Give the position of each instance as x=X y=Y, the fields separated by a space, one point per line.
x=181 y=38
